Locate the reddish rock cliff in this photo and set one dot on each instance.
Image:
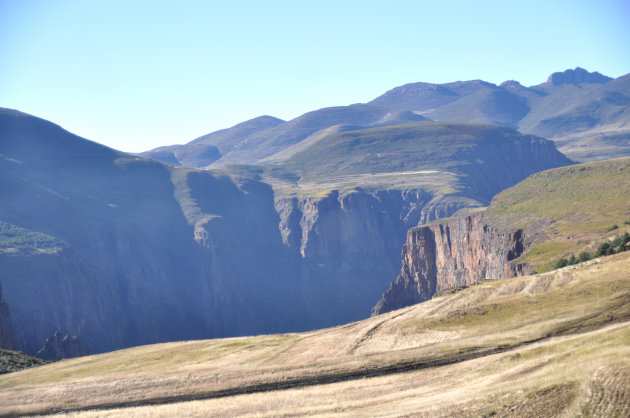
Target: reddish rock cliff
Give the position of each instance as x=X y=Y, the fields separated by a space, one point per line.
x=452 y=254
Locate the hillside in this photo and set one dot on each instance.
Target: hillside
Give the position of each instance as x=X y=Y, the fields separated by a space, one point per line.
x=564 y=213
x=207 y=149
x=262 y=137
x=484 y=159
x=549 y=344
x=120 y=250
x=12 y=361
x=573 y=209
x=587 y=114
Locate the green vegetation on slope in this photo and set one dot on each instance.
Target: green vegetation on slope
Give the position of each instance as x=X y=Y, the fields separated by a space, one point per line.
x=12 y=361
x=480 y=160
x=616 y=246
x=16 y=239
x=574 y=208
x=406 y=147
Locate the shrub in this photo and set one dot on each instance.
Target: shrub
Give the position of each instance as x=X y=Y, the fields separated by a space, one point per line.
x=619 y=244
x=563 y=262
x=605 y=248
x=584 y=256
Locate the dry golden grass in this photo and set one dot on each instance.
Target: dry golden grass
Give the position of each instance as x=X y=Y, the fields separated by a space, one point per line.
x=526 y=346
x=551 y=378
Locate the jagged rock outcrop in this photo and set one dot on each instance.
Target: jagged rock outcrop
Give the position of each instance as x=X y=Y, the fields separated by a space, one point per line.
x=577 y=76
x=57 y=347
x=452 y=254
x=6 y=328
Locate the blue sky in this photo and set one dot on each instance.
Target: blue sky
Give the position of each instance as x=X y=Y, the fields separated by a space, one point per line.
x=135 y=75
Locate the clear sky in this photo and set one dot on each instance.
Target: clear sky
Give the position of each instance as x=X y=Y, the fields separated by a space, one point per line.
x=135 y=75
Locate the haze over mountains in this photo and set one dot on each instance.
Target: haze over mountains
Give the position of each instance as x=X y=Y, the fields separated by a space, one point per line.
x=295 y=225
x=585 y=113
x=120 y=250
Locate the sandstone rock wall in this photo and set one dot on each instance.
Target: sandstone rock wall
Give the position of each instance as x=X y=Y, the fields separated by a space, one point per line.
x=453 y=254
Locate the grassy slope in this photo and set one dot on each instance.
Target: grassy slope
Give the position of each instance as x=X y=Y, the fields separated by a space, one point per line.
x=406 y=147
x=496 y=106
x=577 y=206
x=402 y=156
x=491 y=342
x=444 y=158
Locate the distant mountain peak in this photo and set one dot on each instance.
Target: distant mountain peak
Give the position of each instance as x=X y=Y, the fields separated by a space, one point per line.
x=511 y=84
x=577 y=76
x=476 y=82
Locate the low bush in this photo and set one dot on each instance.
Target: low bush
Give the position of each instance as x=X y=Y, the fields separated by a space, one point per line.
x=620 y=244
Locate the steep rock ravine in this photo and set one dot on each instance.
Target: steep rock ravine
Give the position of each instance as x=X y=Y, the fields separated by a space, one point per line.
x=347 y=245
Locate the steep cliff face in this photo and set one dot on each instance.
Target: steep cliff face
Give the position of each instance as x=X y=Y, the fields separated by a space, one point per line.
x=6 y=329
x=56 y=289
x=57 y=347
x=452 y=254
x=122 y=251
x=347 y=245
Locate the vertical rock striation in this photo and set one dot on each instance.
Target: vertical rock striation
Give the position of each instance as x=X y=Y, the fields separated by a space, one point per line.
x=452 y=254
x=57 y=347
x=347 y=245
x=6 y=329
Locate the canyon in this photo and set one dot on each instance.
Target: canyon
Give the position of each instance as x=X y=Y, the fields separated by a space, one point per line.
x=279 y=226
x=120 y=250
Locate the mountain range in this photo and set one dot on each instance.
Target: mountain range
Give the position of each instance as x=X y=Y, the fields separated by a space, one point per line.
x=269 y=226
x=585 y=113
x=445 y=194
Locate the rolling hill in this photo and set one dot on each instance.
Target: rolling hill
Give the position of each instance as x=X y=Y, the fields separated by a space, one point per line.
x=480 y=156
x=265 y=136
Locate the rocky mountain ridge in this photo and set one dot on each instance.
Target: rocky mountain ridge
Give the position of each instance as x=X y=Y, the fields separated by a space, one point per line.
x=577 y=76
x=587 y=113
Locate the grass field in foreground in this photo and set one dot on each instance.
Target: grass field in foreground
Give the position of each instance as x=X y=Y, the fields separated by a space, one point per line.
x=535 y=340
